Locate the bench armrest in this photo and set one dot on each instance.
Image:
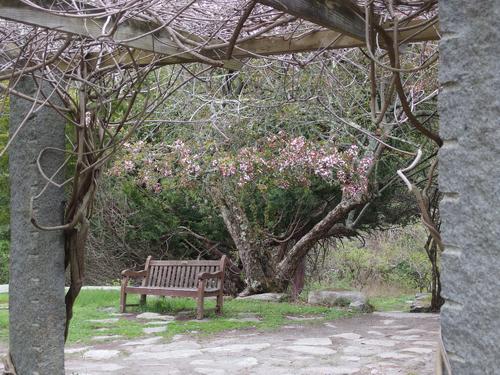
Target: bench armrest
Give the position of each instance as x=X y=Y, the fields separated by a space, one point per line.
x=134 y=274
x=208 y=275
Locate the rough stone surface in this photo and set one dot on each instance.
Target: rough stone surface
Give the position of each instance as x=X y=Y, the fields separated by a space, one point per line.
x=314 y=350
x=36 y=300
x=320 y=341
x=100 y=354
x=269 y=297
x=361 y=306
x=154 y=316
x=104 y=321
x=106 y=338
x=310 y=350
x=335 y=298
x=149 y=341
x=469 y=175
x=348 y=336
x=150 y=330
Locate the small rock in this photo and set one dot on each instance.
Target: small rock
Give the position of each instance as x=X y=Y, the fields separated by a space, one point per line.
x=237 y=348
x=268 y=297
x=104 y=321
x=406 y=338
x=154 y=329
x=291 y=317
x=403 y=315
x=335 y=298
x=149 y=341
x=159 y=323
x=313 y=341
x=348 y=336
x=121 y=314
x=375 y=342
x=173 y=354
x=154 y=316
x=95 y=368
x=362 y=351
x=76 y=350
x=360 y=306
x=424 y=342
x=100 y=354
x=177 y=345
x=314 y=350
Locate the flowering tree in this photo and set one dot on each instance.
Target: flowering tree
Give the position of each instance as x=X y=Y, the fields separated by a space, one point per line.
x=279 y=161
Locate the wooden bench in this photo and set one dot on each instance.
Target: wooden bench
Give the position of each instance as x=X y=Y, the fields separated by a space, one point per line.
x=180 y=278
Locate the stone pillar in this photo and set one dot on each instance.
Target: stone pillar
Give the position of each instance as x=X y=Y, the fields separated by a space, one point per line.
x=469 y=176
x=36 y=300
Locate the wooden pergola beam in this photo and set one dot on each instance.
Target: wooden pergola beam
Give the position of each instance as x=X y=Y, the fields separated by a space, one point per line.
x=162 y=50
x=339 y=15
x=131 y=34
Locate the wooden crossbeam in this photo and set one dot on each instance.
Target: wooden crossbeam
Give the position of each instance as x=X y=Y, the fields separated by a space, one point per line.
x=339 y=15
x=132 y=34
x=161 y=49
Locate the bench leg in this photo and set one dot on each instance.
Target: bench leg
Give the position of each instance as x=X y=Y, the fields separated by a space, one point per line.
x=123 y=299
x=199 y=310
x=142 y=301
x=220 y=302
x=201 y=296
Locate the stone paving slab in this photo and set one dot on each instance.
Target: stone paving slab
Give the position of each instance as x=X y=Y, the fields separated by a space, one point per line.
x=345 y=346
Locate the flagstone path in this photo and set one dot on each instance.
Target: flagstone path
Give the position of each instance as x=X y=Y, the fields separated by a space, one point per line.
x=371 y=344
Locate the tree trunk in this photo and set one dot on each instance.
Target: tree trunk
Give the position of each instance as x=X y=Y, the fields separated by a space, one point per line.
x=263 y=271
x=287 y=267
x=255 y=262
x=36 y=304
x=436 y=300
x=299 y=279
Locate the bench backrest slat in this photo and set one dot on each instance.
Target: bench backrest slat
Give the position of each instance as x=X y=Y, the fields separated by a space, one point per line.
x=180 y=273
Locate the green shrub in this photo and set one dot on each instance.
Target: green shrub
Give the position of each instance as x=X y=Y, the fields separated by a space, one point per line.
x=4 y=261
x=393 y=258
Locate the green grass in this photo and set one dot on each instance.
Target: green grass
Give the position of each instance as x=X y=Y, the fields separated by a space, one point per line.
x=97 y=304
x=399 y=303
x=4 y=318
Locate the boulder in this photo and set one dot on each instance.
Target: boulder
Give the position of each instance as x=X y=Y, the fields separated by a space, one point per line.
x=361 y=307
x=422 y=303
x=335 y=297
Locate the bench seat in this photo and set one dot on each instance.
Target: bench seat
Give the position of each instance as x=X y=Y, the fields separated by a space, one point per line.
x=173 y=292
